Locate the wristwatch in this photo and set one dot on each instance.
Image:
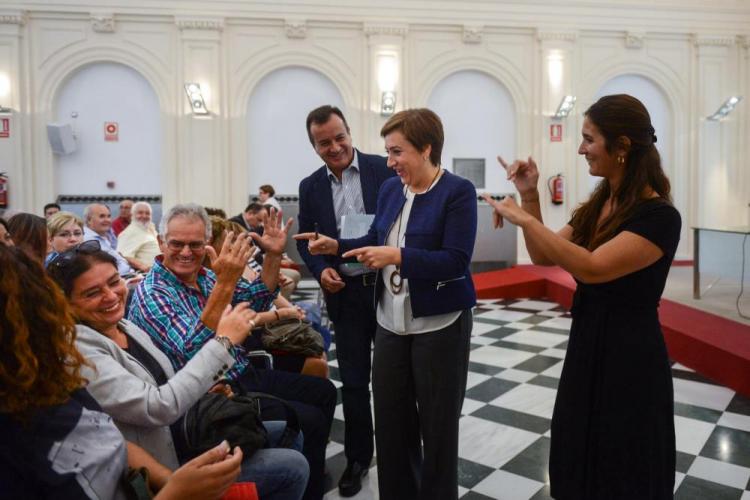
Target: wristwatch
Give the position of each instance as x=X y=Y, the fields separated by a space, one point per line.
x=226 y=342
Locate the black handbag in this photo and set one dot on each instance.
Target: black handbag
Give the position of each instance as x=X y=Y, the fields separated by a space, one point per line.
x=215 y=418
x=294 y=336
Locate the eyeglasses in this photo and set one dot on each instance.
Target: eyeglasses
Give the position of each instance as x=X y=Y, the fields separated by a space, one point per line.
x=65 y=258
x=177 y=246
x=68 y=234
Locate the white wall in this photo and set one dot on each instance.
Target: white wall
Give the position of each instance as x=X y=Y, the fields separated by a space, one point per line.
x=698 y=59
x=279 y=151
x=479 y=120
x=107 y=92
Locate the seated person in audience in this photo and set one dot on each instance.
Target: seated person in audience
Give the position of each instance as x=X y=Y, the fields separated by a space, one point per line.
x=266 y=195
x=138 y=242
x=98 y=220
x=251 y=219
x=179 y=304
x=134 y=382
x=5 y=237
x=217 y=212
x=65 y=231
x=51 y=209
x=55 y=440
x=282 y=308
x=123 y=218
x=29 y=232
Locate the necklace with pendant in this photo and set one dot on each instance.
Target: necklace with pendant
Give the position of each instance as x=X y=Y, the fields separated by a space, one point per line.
x=396 y=281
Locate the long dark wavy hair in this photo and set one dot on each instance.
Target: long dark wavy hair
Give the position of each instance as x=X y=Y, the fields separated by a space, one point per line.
x=39 y=364
x=618 y=116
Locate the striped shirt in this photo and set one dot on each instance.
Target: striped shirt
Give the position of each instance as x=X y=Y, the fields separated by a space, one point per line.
x=347 y=192
x=170 y=312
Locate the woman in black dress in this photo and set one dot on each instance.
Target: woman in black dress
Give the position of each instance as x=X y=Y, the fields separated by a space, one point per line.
x=612 y=427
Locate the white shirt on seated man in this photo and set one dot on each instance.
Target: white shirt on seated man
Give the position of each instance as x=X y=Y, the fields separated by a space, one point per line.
x=138 y=242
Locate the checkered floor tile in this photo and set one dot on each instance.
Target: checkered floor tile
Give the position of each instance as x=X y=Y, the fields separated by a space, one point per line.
x=515 y=363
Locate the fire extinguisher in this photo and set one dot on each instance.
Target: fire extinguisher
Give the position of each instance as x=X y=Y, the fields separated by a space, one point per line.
x=3 y=190
x=556 y=189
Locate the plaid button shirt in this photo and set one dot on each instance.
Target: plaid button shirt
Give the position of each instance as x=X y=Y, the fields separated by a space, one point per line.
x=170 y=312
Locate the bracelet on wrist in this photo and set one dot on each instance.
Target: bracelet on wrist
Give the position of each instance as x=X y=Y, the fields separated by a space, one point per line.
x=278 y=316
x=226 y=342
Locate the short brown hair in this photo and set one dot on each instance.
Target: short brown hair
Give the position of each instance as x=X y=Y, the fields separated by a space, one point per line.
x=267 y=188
x=421 y=127
x=321 y=115
x=29 y=232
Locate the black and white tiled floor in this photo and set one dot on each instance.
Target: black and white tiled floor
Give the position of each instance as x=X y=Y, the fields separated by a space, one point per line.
x=515 y=363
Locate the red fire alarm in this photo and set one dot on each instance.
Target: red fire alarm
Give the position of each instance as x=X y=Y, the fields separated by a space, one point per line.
x=111 y=131
x=5 y=128
x=555 y=132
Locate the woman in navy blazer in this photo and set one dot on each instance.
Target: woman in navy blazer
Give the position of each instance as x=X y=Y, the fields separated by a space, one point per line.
x=421 y=243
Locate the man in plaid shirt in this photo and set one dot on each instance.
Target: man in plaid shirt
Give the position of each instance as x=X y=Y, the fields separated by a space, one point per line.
x=179 y=304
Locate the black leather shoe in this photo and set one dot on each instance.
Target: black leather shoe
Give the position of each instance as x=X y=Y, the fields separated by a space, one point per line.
x=351 y=480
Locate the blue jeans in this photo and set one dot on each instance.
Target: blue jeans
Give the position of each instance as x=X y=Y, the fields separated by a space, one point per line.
x=278 y=473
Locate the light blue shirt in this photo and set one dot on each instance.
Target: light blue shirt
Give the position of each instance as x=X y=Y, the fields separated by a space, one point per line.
x=122 y=265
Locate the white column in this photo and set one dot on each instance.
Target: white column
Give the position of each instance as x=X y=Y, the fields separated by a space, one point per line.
x=720 y=201
x=385 y=67
x=202 y=173
x=13 y=161
x=557 y=64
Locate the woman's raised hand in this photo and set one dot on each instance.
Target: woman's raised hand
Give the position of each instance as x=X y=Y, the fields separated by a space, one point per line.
x=319 y=244
x=523 y=174
x=507 y=208
x=236 y=323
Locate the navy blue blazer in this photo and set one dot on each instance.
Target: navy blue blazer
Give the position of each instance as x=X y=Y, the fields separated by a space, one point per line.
x=440 y=236
x=316 y=205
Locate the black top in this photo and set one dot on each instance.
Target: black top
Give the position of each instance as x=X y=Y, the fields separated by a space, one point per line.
x=69 y=451
x=613 y=423
x=142 y=355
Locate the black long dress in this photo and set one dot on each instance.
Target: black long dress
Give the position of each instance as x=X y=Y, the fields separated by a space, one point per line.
x=613 y=425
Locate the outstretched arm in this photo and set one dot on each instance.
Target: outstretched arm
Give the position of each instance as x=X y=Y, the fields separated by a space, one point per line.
x=624 y=254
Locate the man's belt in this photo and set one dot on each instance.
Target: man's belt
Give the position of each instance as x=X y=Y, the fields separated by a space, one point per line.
x=367 y=279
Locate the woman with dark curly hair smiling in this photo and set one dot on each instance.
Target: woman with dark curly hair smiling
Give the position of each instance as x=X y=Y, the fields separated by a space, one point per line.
x=56 y=442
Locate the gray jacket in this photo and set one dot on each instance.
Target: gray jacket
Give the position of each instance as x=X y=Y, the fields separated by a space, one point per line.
x=126 y=391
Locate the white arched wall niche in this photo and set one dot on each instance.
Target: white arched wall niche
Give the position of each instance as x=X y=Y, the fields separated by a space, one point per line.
x=279 y=151
x=504 y=71
x=110 y=92
x=479 y=119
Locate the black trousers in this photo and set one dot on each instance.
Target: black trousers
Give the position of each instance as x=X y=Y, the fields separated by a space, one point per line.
x=354 y=331
x=419 y=382
x=314 y=400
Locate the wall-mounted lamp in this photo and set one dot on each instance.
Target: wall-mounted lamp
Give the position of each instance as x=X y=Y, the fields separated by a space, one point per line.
x=387 y=103
x=387 y=78
x=565 y=107
x=725 y=108
x=195 y=96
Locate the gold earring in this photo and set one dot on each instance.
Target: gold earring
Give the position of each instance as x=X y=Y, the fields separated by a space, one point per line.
x=621 y=160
